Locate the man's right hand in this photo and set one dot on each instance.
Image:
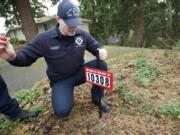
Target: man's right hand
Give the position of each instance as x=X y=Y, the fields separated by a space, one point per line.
x=7 y=51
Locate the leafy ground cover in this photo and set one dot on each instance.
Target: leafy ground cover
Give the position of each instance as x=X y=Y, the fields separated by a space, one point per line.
x=145 y=101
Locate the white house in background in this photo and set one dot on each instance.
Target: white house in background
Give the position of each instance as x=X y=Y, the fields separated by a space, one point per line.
x=44 y=23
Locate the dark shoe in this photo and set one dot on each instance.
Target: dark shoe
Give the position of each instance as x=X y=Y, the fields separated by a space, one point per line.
x=23 y=116
x=104 y=105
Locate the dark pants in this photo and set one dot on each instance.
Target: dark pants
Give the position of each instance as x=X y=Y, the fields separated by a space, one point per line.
x=63 y=91
x=8 y=106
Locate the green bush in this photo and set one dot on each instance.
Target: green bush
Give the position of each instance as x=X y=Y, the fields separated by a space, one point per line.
x=25 y=96
x=147 y=109
x=128 y=111
x=127 y=95
x=171 y=110
x=14 y=40
x=22 y=42
x=146 y=72
x=37 y=108
x=31 y=133
x=172 y=55
x=6 y=126
x=118 y=76
x=177 y=46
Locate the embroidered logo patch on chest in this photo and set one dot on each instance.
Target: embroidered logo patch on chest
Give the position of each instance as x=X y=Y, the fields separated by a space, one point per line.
x=79 y=40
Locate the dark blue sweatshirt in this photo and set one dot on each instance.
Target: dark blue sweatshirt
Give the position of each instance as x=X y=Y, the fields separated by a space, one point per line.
x=64 y=55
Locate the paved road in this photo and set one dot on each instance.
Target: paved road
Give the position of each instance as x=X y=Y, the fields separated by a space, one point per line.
x=19 y=78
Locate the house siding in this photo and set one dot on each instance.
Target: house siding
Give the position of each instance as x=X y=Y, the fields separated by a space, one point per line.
x=42 y=26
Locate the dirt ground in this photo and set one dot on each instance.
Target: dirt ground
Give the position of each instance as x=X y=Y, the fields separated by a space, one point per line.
x=131 y=114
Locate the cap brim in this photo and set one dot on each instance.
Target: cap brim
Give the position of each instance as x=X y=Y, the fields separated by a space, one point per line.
x=73 y=21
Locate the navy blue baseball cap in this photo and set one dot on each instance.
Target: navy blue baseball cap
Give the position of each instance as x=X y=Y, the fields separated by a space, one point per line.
x=69 y=13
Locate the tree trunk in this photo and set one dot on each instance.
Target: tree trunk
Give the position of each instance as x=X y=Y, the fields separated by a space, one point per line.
x=29 y=27
x=139 y=23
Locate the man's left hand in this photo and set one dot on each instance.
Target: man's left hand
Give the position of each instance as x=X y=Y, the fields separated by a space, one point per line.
x=103 y=53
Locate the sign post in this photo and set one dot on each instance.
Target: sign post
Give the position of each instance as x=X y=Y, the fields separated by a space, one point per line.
x=99 y=78
x=99 y=93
